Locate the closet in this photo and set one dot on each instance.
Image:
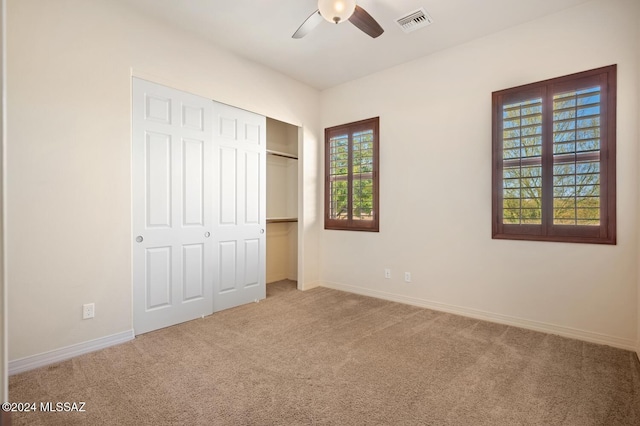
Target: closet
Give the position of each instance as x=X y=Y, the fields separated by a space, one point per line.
x=214 y=205
x=282 y=201
x=198 y=206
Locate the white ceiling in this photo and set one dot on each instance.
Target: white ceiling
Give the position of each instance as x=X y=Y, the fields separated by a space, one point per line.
x=260 y=30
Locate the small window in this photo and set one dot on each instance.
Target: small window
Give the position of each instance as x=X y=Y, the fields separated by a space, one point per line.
x=351 y=172
x=554 y=159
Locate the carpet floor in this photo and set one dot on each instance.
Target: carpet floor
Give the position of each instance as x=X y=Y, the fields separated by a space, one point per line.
x=325 y=357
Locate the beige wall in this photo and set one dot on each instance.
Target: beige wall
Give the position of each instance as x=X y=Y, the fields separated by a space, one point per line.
x=3 y=302
x=69 y=180
x=638 y=178
x=435 y=122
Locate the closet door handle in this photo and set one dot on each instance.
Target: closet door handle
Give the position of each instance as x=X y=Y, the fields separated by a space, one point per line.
x=262 y=231
x=207 y=234
x=139 y=239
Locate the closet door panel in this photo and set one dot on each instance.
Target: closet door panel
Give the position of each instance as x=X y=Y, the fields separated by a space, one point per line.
x=227 y=266
x=252 y=182
x=252 y=257
x=193 y=181
x=227 y=173
x=158 y=180
x=239 y=217
x=172 y=198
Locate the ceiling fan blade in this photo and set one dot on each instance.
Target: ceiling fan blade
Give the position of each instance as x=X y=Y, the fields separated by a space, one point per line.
x=310 y=23
x=365 y=22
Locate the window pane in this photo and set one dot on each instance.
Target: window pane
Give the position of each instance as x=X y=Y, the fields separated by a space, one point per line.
x=362 y=162
x=338 y=172
x=338 y=205
x=576 y=149
x=522 y=196
x=362 y=199
x=522 y=181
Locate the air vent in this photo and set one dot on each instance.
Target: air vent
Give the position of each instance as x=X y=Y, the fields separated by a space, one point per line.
x=414 y=20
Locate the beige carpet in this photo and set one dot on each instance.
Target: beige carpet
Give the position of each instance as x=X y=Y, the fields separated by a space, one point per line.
x=328 y=357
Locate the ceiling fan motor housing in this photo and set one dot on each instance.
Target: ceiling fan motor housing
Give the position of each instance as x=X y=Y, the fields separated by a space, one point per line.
x=336 y=11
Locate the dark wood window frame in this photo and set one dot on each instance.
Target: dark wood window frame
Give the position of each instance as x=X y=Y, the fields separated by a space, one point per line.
x=348 y=223
x=604 y=232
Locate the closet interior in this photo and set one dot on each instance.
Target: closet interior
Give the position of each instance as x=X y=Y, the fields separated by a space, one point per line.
x=282 y=201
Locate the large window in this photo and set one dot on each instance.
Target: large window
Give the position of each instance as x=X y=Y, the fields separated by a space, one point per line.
x=351 y=171
x=554 y=158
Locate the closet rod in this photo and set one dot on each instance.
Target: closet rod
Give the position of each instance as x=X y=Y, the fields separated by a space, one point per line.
x=282 y=154
x=282 y=219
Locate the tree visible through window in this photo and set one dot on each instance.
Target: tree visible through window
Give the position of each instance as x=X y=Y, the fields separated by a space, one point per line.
x=351 y=170
x=554 y=159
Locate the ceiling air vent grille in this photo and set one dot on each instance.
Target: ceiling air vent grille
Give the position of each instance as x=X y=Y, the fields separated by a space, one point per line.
x=414 y=20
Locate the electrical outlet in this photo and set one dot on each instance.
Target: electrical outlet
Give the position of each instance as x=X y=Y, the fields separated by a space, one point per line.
x=407 y=277
x=387 y=273
x=88 y=310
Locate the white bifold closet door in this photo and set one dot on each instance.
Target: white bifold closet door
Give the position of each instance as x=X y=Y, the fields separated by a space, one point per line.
x=186 y=244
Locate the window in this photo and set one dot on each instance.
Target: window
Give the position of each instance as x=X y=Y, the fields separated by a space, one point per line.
x=554 y=159
x=351 y=172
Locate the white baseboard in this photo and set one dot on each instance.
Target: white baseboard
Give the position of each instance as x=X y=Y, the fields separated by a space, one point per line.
x=573 y=333
x=62 y=354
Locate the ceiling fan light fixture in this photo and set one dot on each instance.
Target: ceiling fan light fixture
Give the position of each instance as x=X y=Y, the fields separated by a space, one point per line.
x=336 y=11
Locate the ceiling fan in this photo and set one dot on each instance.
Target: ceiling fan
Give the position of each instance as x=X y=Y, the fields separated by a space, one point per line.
x=337 y=11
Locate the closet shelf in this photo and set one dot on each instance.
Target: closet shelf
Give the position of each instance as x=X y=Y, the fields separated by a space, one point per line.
x=281 y=219
x=282 y=154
